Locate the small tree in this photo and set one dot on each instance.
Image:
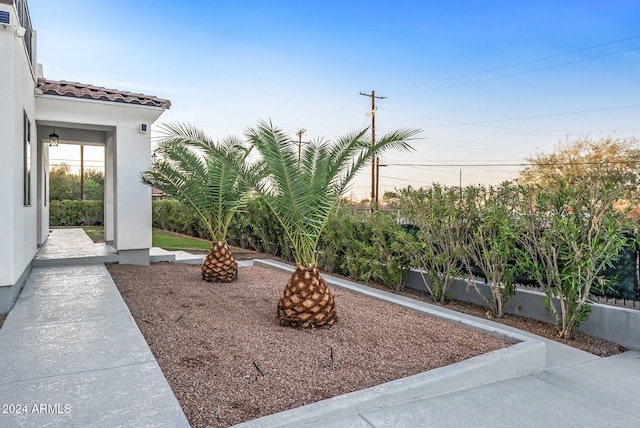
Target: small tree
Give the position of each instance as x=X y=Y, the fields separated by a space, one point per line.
x=492 y=239
x=201 y=177
x=62 y=183
x=438 y=212
x=573 y=233
x=302 y=192
x=93 y=184
x=585 y=160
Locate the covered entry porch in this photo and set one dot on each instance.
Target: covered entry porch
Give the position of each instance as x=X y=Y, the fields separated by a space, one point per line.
x=120 y=122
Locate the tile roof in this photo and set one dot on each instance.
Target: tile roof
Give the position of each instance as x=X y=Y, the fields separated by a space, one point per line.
x=80 y=90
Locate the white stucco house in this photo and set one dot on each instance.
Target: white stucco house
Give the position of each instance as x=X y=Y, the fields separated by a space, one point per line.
x=30 y=107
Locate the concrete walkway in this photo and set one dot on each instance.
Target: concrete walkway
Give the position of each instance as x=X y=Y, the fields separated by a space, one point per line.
x=71 y=355
x=72 y=246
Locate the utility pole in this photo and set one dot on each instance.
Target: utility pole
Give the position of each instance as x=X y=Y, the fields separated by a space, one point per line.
x=374 y=193
x=299 y=134
x=378 y=165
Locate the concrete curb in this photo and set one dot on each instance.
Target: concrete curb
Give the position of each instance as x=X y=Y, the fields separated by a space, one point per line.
x=526 y=356
x=76 y=261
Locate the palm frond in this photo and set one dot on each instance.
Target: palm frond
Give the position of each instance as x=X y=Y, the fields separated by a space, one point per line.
x=200 y=172
x=302 y=193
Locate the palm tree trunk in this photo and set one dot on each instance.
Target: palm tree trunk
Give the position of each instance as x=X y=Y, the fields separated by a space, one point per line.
x=306 y=301
x=220 y=265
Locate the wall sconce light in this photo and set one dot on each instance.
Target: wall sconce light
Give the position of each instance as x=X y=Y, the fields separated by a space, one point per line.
x=54 y=138
x=20 y=31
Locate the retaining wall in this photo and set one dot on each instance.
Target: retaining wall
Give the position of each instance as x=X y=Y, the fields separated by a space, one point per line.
x=618 y=325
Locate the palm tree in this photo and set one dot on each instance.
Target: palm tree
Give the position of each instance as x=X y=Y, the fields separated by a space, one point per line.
x=302 y=193
x=203 y=179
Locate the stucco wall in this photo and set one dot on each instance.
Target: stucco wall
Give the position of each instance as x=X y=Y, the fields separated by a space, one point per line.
x=18 y=224
x=132 y=199
x=128 y=153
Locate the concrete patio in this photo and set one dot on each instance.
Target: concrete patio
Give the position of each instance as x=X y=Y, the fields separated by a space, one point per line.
x=71 y=355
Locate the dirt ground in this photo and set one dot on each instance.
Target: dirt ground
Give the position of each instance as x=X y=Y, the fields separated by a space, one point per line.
x=579 y=340
x=228 y=360
x=593 y=345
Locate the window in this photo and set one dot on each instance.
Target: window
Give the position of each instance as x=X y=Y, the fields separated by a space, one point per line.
x=27 y=161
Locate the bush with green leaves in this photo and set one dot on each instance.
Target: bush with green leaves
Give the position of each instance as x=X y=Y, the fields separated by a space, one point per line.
x=174 y=216
x=76 y=213
x=491 y=243
x=356 y=263
x=391 y=248
x=340 y=233
x=373 y=247
x=439 y=213
x=64 y=185
x=573 y=234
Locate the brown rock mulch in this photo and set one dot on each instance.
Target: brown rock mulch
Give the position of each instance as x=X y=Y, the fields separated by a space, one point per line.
x=228 y=360
x=579 y=340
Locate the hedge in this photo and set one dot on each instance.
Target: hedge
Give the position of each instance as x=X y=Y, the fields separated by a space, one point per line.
x=361 y=246
x=76 y=213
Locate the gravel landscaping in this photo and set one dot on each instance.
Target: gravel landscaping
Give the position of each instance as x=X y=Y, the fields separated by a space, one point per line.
x=228 y=360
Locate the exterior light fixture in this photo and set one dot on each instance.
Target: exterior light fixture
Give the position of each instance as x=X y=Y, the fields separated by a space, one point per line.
x=54 y=138
x=20 y=31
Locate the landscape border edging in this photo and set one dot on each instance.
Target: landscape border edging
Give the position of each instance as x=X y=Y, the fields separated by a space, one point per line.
x=612 y=323
x=525 y=356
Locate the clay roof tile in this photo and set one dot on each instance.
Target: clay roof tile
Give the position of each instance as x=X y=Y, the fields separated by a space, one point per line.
x=81 y=90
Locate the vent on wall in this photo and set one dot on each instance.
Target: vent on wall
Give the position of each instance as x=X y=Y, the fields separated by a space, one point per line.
x=4 y=17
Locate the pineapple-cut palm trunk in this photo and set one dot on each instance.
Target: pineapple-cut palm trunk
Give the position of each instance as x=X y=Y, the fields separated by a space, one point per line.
x=306 y=301
x=220 y=265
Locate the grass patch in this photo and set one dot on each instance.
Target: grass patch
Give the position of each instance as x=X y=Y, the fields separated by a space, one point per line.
x=159 y=238
x=96 y=233
x=175 y=242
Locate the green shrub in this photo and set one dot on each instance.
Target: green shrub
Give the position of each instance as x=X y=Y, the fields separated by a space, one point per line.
x=172 y=215
x=393 y=247
x=76 y=213
x=574 y=232
x=256 y=227
x=440 y=215
x=375 y=248
x=341 y=232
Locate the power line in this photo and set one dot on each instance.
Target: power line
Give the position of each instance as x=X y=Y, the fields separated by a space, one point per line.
x=521 y=72
x=502 y=67
x=540 y=116
x=435 y=165
x=453 y=123
x=399 y=179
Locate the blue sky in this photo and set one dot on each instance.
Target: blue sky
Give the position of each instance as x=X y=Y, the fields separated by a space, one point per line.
x=488 y=82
